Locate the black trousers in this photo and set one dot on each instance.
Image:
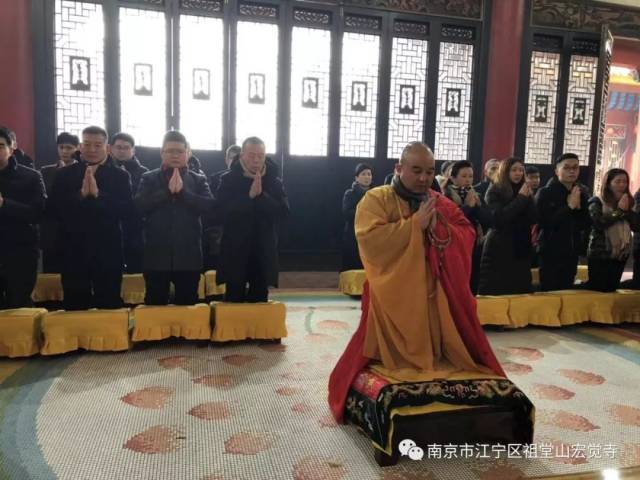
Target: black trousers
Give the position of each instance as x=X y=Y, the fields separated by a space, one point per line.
x=89 y=285
x=605 y=274
x=18 y=273
x=557 y=273
x=258 y=290
x=133 y=255
x=636 y=268
x=157 y=285
x=51 y=261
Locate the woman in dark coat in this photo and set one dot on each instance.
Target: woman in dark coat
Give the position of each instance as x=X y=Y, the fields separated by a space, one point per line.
x=461 y=192
x=362 y=183
x=505 y=267
x=612 y=220
x=252 y=200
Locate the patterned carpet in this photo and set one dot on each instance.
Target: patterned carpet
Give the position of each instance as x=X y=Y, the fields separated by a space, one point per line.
x=179 y=410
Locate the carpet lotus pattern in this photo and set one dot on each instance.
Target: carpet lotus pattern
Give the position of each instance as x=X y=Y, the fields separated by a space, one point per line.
x=243 y=411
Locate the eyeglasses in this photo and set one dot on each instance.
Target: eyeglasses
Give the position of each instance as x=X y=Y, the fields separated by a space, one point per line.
x=122 y=147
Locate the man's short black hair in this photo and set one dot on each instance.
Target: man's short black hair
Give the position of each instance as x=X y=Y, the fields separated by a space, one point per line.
x=531 y=170
x=459 y=165
x=66 y=138
x=95 y=130
x=124 y=137
x=6 y=134
x=252 y=141
x=174 y=136
x=566 y=156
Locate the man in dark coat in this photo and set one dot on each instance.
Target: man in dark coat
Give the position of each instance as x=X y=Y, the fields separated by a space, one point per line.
x=252 y=199
x=123 y=150
x=22 y=200
x=172 y=200
x=213 y=220
x=21 y=157
x=67 y=146
x=563 y=224
x=352 y=196
x=91 y=198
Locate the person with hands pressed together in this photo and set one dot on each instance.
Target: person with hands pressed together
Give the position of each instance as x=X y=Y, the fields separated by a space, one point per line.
x=90 y=198
x=252 y=201
x=172 y=200
x=461 y=192
x=505 y=267
x=419 y=318
x=563 y=224
x=613 y=218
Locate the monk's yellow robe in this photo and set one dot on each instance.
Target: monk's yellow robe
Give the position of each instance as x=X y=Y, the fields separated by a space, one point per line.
x=410 y=329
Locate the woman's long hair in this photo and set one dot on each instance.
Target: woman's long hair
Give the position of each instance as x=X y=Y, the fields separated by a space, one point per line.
x=503 y=181
x=606 y=194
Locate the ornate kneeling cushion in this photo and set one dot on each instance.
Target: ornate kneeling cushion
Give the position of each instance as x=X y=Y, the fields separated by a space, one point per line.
x=468 y=409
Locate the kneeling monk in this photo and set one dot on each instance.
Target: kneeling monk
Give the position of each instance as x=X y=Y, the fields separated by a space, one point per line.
x=419 y=318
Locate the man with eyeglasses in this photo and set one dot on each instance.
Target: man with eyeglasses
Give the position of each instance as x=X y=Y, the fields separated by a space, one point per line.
x=123 y=150
x=91 y=198
x=22 y=200
x=563 y=224
x=172 y=200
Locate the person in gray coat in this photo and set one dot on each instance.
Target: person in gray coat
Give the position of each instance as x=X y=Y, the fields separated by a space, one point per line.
x=172 y=200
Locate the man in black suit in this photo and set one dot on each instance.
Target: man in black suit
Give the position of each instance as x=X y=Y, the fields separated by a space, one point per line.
x=123 y=150
x=90 y=198
x=67 y=146
x=172 y=200
x=22 y=201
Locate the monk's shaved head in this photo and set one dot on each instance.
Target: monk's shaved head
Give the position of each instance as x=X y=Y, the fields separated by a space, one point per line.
x=415 y=147
x=417 y=167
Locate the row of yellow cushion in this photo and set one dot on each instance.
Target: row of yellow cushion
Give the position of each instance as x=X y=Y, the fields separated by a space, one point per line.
x=551 y=309
x=352 y=281
x=561 y=308
x=28 y=331
x=49 y=288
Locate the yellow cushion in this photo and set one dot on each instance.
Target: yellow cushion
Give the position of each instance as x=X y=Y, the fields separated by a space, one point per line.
x=211 y=288
x=583 y=273
x=351 y=282
x=493 y=310
x=601 y=307
x=133 y=289
x=626 y=307
x=240 y=321
x=581 y=306
x=192 y=322
x=202 y=290
x=20 y=332
x=48 y=288
x=535 y=276
x=99 y=330
x=543 y=310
